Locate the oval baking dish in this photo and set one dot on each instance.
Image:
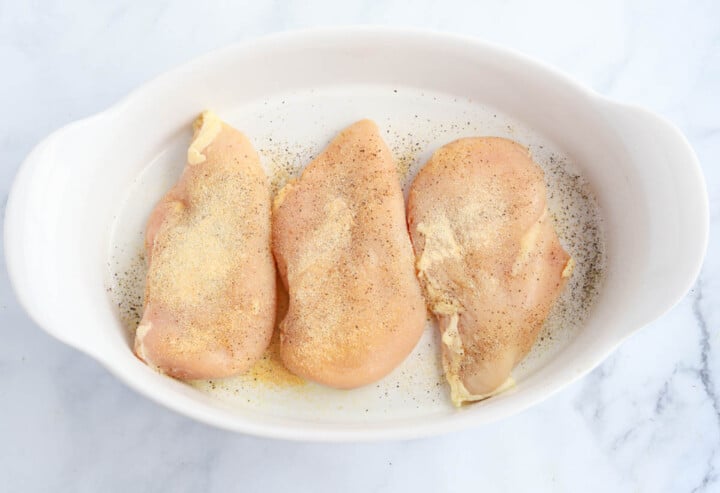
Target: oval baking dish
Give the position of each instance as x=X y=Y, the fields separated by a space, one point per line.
x=62 y=211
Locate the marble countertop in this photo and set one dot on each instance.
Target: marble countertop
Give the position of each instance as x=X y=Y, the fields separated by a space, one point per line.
x=647 y=420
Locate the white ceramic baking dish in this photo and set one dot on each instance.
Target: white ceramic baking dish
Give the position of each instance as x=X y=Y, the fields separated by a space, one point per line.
x=62 y=214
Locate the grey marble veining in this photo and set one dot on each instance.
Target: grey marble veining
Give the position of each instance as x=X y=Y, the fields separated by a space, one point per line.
x=648 y=419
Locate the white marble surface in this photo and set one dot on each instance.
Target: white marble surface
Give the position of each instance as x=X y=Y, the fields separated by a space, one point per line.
x=646 y=420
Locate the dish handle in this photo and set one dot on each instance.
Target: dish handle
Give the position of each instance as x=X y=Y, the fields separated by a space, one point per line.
x=678 y=219
x=51 y=249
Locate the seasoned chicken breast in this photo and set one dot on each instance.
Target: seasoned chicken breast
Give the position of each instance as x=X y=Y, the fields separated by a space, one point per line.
x=210 y=290
x=488 y=258
x=342 y=248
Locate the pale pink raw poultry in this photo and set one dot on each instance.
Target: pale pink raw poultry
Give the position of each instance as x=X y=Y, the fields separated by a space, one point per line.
x=488 y=258
x=210 y=290
x=343 y=250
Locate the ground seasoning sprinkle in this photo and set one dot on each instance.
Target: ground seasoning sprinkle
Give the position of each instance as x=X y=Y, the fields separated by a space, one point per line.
x=431 y=120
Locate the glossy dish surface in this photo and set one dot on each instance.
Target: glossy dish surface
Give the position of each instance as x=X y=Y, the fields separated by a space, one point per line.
x=67 y=260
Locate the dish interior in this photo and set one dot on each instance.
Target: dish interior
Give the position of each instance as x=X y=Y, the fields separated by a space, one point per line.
x=288 y=129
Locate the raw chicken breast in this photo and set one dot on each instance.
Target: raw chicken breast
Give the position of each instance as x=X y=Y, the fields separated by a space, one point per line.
x=488 y=258
x=342 y=247
x=210 y=290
